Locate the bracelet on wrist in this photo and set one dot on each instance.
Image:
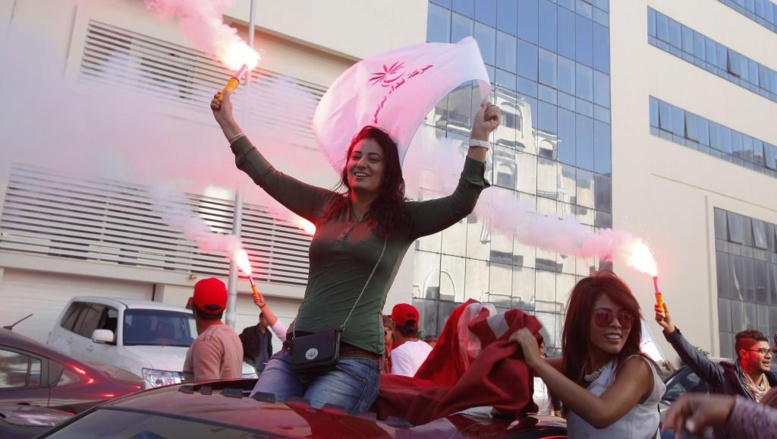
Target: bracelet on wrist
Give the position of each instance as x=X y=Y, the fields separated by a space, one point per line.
x=232 y=139
x=479 y=144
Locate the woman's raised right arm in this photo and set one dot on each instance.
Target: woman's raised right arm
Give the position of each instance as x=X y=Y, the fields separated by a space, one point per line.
x=303 y=199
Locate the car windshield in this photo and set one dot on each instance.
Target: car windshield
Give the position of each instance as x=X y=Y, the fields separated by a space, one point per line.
x=119 y=423
x=151 y=327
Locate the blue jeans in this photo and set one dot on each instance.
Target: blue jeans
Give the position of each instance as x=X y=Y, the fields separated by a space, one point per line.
x=353 y=384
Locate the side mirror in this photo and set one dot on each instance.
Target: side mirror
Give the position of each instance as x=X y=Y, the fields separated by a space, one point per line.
x=103 y=336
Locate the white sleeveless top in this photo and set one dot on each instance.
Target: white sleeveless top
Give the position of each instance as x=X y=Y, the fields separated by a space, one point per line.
x=641 y=422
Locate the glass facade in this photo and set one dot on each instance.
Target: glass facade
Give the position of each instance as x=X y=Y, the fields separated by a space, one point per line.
x=746 y=258
x=683 y=42
x=695 y=132
x=549 y=62
x=763 y=12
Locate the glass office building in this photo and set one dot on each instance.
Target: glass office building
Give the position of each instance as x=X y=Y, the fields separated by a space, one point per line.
x=549 y=63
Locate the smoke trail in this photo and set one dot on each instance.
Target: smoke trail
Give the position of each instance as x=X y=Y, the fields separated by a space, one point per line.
x=175 y=211
x=201 y=22
x=441 y=160
x=113 y=131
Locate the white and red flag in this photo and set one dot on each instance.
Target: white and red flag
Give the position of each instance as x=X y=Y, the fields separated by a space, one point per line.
x=394 y=91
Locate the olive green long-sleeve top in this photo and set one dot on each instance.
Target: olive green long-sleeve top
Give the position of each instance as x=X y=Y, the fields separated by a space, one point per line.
x=344 y=250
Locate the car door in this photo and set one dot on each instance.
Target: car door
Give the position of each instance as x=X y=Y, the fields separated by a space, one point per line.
x=22 y=380
x=63 y=334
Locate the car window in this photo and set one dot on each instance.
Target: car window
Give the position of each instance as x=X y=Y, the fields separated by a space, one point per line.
x=684 y=381
x=70 y=317
x=89 y=319
x=109 y=320
x=158 y=327
x=68 y=377
x=19 y=370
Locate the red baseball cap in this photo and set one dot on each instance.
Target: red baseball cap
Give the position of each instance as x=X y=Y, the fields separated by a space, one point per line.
x=210 y=295
x=405 y=314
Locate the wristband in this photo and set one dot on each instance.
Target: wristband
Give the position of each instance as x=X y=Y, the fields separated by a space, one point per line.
x=479 y=143
x=232 y=139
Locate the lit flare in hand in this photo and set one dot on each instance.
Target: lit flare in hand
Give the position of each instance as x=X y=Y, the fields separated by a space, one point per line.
x=241 y=259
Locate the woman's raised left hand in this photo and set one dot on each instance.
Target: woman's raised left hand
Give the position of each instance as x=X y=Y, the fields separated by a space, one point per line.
x=487 y=119
x=528 y=343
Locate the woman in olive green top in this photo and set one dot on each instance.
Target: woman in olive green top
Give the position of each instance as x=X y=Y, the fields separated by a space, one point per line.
x=370 y=222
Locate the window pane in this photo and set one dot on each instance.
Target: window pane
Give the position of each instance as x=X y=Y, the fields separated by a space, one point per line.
x=439 y=22
x=527 y=60
x=528 y=18
x=566 y=33
x=601 y=48
x=486 y=38
x=566 y=75
x=547 y=68
x=584 y=41
x=704 y=131
x=601 y=89
x=662 y=27
x=467 y=7
x=547 y=119
x=485 y=11
x=566 y=136
x=462 y=27
x=678 y=121
x=505 y=51
x=674 y=34
x=547 y=26
x=507 y=15
x=584 y=82
x=14 y=370
x=687 y=40
x=585 y=142
x=665 y=116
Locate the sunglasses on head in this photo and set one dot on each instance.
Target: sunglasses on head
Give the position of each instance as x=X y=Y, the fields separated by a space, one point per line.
x=603 y=318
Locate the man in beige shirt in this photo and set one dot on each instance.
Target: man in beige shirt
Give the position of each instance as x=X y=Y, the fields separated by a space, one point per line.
x=217 y=353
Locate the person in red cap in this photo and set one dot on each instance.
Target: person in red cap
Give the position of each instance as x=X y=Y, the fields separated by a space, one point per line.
x=409 y=353
x=217 y=353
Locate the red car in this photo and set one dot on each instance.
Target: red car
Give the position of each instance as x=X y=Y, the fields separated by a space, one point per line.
x=223 y=409
x=32 y=373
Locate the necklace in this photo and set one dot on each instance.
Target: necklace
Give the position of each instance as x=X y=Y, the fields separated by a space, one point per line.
x=591 y=377
x=759 y=389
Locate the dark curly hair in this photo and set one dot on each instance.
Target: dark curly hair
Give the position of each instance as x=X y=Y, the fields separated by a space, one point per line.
x=747 y=338
x=388 y=210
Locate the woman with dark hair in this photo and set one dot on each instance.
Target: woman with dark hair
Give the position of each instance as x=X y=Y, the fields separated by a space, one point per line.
x=361 y=236
x=608 y=387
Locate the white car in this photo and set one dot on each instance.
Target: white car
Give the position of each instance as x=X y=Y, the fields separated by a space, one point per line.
x=149 y=339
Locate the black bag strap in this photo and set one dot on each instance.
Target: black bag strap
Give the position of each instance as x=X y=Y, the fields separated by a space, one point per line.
x=374 y=269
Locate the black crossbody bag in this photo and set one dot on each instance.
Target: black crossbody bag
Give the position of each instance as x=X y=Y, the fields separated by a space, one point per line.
x=320 y=352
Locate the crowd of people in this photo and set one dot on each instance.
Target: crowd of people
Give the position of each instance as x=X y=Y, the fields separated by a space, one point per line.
x=601 y=383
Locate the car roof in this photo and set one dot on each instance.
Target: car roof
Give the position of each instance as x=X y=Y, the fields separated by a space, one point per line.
x=130 y=303
x=226 y=403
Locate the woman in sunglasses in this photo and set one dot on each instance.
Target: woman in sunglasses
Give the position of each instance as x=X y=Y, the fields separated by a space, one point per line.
x=608 y=387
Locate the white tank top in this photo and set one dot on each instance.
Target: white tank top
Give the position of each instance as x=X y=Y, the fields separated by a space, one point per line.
x=641 y=422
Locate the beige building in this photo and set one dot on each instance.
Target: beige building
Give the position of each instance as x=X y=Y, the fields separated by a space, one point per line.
x=76 y=221
x=670 y=178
